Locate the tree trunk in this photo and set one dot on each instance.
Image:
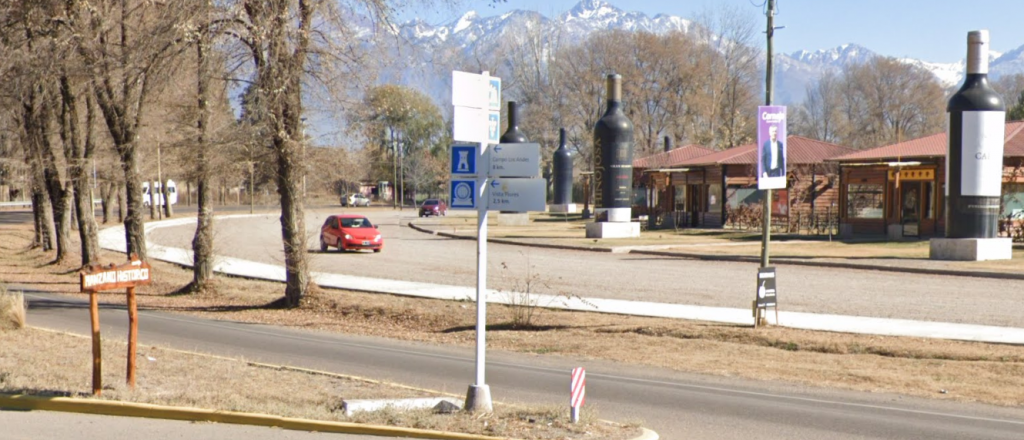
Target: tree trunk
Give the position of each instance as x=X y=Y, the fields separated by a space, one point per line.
x=122 y=203
x=133 y=223
x=42 y=212
x=37 y=117
x=152 y=200
x=77 y=155
x=293 y=229
x=168 y=210
x=61 y=210
x=202 y=242
x=107 y=198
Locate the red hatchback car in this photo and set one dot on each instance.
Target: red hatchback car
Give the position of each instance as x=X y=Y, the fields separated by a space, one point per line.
x=350 y=232
x=433 y=207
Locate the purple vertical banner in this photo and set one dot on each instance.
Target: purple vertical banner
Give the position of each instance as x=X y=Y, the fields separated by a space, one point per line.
x=771 y=147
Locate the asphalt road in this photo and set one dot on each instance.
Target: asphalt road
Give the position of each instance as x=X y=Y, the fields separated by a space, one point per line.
x=415 y=256
x=674 y=404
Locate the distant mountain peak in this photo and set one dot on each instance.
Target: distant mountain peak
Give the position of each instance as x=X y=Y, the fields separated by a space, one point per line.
x=592 y=9
x=465 y=21
x=473 y=34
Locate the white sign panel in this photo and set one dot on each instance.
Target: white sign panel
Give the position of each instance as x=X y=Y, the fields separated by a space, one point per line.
x=463 y=194
x=514 y=160
x=516 y=195
x=981 y=163
x=470 y=125
x=470 y=90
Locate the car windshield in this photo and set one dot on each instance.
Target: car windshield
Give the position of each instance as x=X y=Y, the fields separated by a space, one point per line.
x=356 y=223
x=429 y=202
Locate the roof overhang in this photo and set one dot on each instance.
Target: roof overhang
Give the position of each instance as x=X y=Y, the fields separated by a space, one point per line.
x=912 y=163
x=668 y=170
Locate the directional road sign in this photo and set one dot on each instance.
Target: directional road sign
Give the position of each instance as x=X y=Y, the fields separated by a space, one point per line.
x=463 y=194
x=464 y=158
x=515 y=195
x=493 y=93
x=514 y=160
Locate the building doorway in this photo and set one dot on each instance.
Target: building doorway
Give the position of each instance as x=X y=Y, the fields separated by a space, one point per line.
x=911 y=207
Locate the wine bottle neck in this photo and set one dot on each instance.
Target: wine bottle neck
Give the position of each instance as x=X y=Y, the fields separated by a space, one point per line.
x=977 y=52
x=513 y=116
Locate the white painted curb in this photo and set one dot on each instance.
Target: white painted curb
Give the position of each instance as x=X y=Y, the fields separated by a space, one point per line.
x=113 y=238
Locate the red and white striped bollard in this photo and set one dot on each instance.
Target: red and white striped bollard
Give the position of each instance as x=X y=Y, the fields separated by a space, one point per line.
x=578 y=389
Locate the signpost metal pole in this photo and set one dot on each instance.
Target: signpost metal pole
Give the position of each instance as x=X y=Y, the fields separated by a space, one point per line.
x=481 y=274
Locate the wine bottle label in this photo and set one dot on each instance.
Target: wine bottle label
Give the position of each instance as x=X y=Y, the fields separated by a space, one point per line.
x=981 y=166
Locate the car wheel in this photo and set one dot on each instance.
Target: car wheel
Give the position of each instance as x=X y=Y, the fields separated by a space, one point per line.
x=323 y=244
x=377 y=251
x=341 y=245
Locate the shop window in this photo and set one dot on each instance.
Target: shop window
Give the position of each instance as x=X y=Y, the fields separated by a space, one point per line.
x=680 y=197
x=1013 y=200
x=865 y=201
x=739 y=195
x=714 y=198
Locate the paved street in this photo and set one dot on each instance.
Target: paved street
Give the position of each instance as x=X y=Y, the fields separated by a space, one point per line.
x=415 y=256
x=676 y=405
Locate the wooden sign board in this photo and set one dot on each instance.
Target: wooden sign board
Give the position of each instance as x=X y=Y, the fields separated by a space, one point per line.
x=131 y=274
x=99 y=278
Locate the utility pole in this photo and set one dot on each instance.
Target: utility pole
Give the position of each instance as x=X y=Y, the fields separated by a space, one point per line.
x=769 y=85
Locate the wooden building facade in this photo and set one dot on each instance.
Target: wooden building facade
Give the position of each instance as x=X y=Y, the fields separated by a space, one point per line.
x=655 y=190
x=898 y=191
x=720 y=189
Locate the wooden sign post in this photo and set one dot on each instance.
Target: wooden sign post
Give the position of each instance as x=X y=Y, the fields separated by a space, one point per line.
x=98 y=279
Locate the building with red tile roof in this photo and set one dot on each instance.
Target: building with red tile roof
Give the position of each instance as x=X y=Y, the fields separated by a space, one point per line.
x=714 y=190
x=898 y=190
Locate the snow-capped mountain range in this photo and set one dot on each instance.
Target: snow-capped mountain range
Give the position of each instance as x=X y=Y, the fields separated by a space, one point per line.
x=473 y=34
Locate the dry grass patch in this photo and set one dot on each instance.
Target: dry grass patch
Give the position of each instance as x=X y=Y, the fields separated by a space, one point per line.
x=12 y=309
x=968 y=371
x=61 y=367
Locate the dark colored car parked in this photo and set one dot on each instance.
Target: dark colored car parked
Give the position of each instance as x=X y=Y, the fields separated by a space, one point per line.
x=433 y=207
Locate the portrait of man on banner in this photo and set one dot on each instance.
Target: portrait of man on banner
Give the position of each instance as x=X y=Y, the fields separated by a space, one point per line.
x=771 y=142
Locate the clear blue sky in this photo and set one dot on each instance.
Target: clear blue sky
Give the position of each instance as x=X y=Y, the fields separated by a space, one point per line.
x=930 y=30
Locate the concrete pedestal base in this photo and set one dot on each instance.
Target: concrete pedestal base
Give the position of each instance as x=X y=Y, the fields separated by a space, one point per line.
x=971 y=249
x=613 y=230
x=513 y=218
x=478 y=399
x=562 y=209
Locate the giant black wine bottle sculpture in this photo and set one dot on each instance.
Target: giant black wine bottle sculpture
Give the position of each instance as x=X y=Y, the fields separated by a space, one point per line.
x=562 y=164
x=974 y=168
x=513 y=135
x=613 y=158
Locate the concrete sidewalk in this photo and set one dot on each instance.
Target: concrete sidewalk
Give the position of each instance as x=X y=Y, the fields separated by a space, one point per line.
x=113 y=239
